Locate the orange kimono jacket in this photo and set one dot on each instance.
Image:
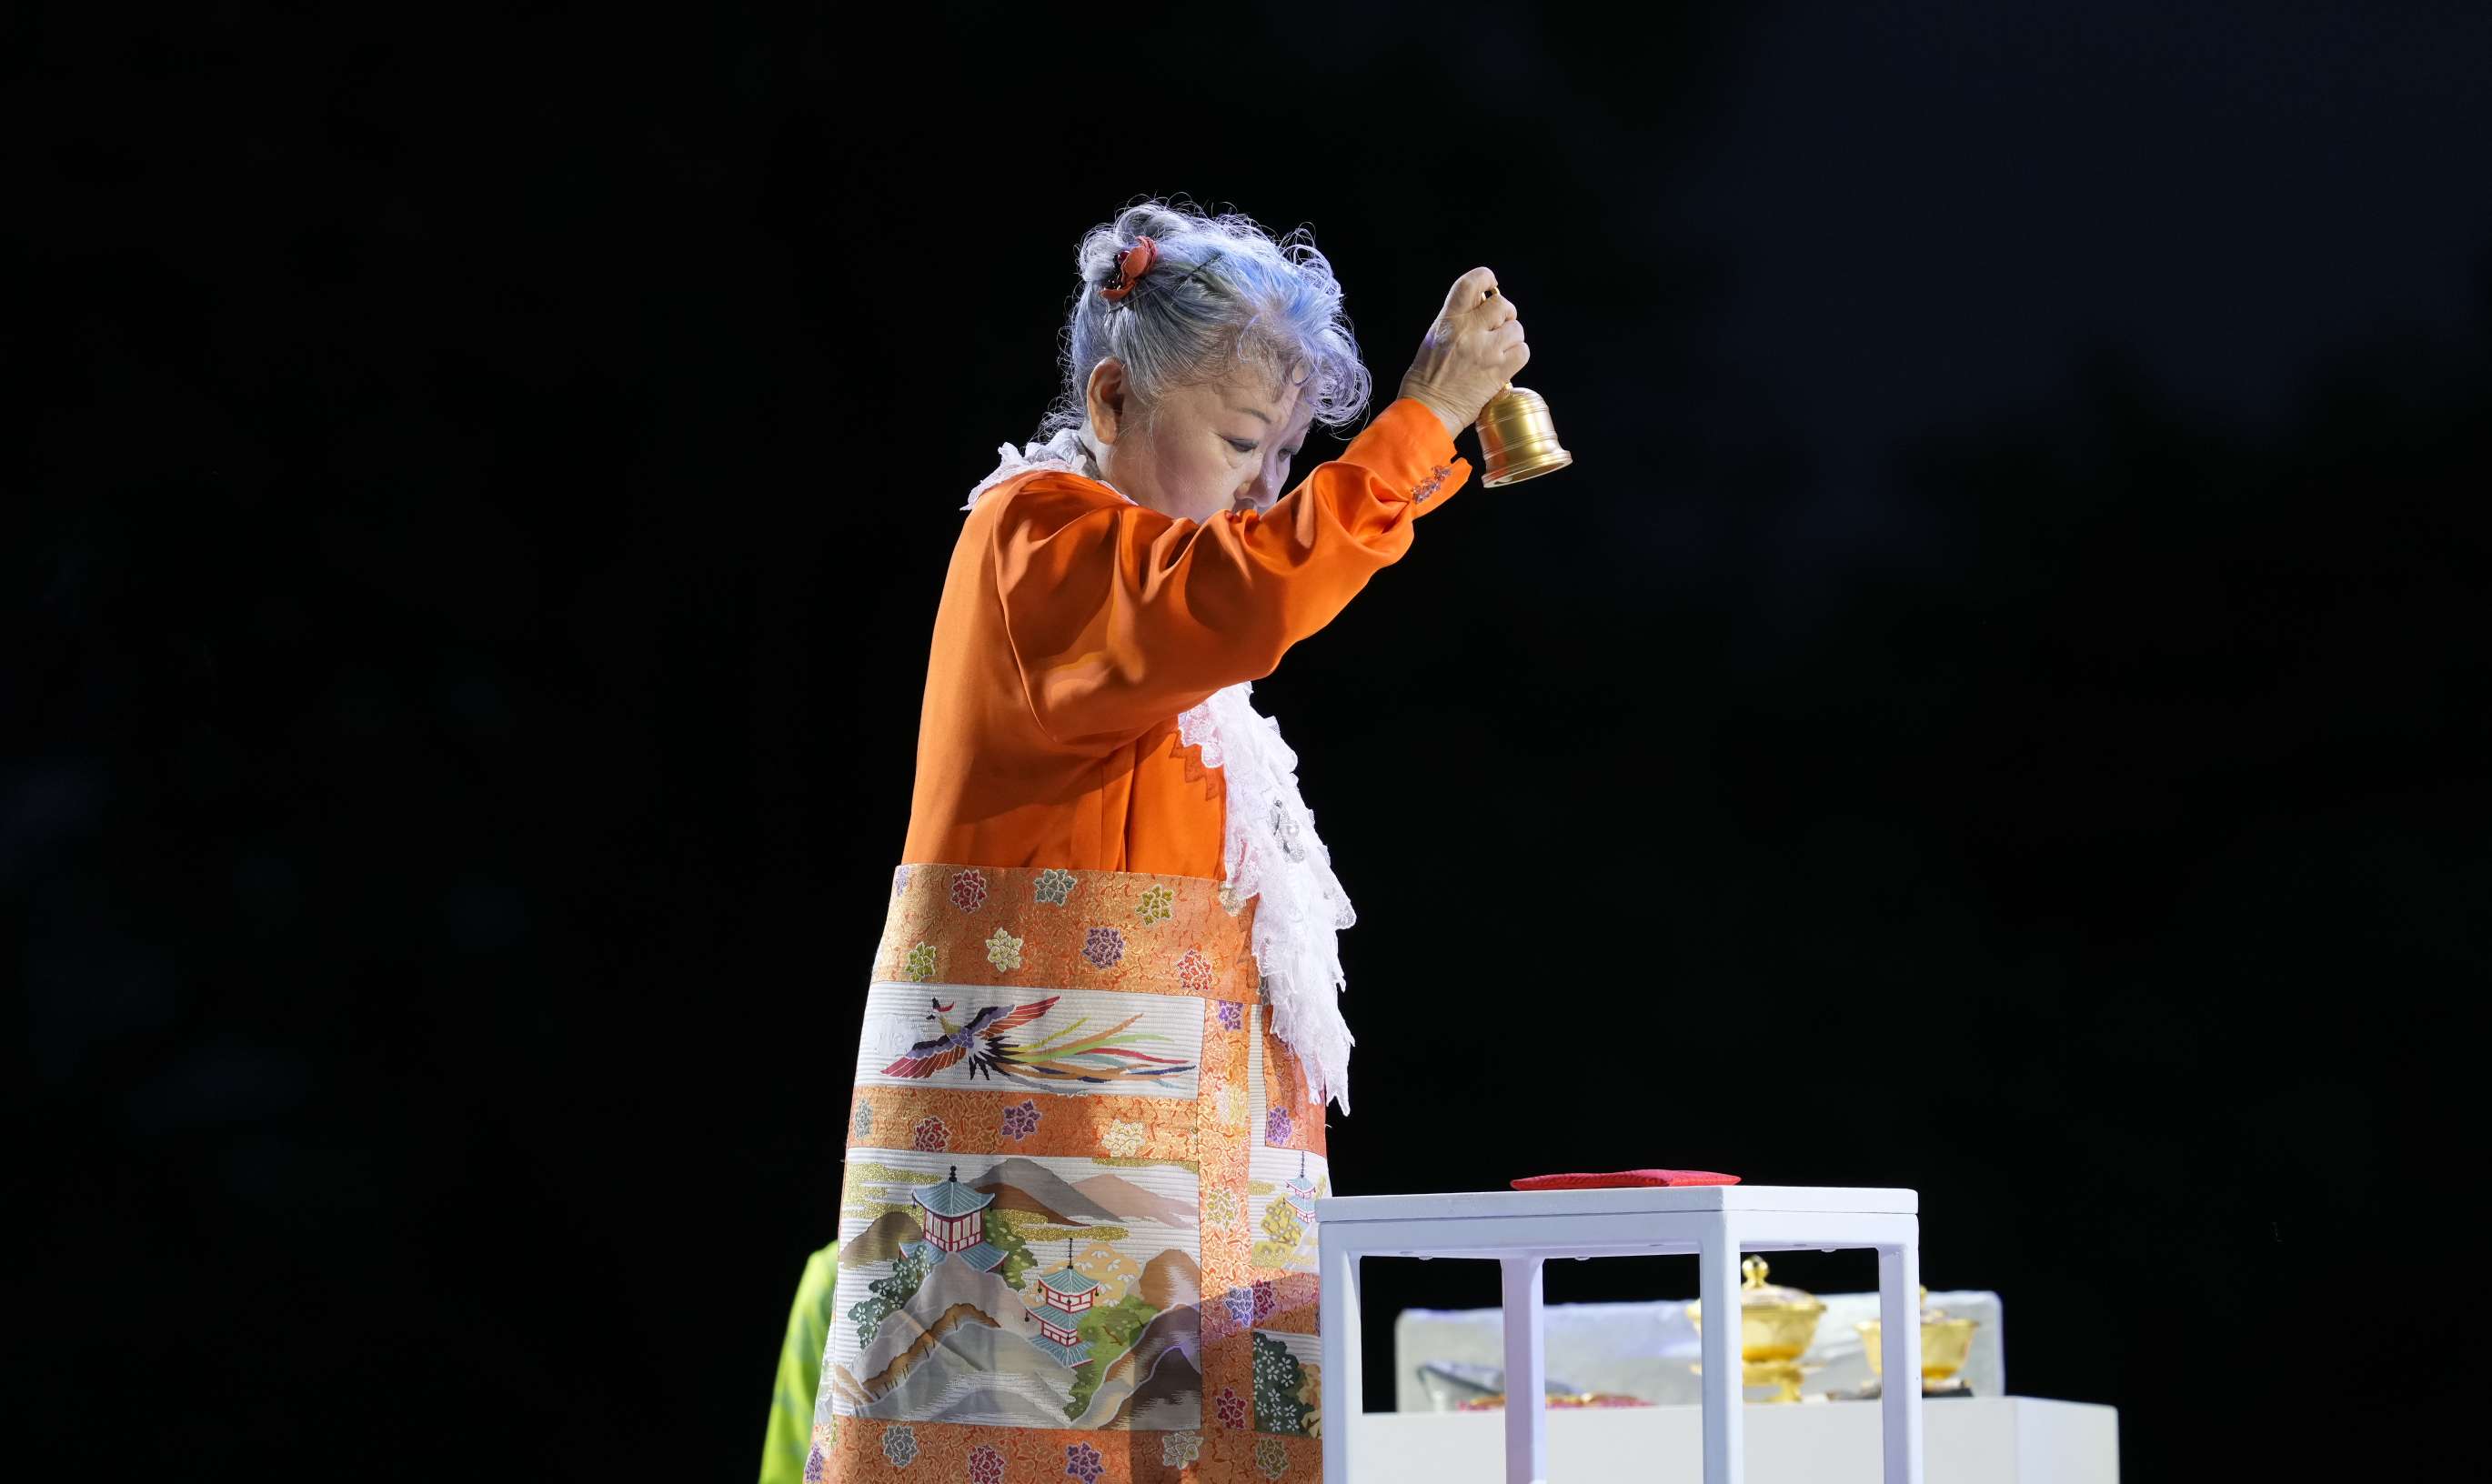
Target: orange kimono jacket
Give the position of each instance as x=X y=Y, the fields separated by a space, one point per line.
x=1076 y=626
x=1075 y=1223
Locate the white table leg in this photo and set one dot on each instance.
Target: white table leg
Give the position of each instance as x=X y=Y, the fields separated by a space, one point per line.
x=1718 y=1291
x=1342 y=1385
x=1899 y=1326
x=1526 y=1375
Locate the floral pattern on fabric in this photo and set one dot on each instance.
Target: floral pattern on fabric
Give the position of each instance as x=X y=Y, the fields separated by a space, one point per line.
x=899 y=1445
x=1056 y=945
x=1207 y=1454
x=1103 y=947
x=1271 y=1457
x=1020 y=1120
x=969 y=890
x=1003 y=950
x=1288 y=1391
x=1083 y=1462
x=1287 y=1092
x=1233 y=1015
x=929 y=1135
x=974 y=1117
x=1232 y=1410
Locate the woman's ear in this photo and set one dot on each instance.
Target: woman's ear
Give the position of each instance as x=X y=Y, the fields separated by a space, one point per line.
x=1104 y=398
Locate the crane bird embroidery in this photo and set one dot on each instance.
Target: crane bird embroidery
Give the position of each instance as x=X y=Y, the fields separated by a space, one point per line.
x=1104 y=1056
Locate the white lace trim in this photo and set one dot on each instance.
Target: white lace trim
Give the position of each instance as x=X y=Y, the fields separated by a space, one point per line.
x=1270 y=850
x=1064 y=451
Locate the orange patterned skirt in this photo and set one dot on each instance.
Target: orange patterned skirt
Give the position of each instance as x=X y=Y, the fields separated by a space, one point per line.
x=1076 y=1231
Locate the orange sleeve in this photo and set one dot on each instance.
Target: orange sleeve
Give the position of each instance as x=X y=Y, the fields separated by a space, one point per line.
x=1121 y=617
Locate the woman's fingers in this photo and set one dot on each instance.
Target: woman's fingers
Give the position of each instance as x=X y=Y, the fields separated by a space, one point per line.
x=1470 y=289
x=1474 y=348
x=1502 y=334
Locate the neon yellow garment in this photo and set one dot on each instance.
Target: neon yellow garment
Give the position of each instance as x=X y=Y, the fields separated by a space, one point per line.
x=789 y=1436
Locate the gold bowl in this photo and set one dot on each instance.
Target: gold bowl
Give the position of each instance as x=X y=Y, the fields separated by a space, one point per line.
x=1776 y=1326
x=1945 y=1342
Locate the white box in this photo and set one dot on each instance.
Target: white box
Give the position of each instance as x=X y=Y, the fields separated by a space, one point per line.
x=2012 y=1440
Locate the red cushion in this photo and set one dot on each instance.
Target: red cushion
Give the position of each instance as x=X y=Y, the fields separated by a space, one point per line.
x=1621 y=1177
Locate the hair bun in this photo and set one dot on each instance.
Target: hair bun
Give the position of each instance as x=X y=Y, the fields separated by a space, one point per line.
x=1224 y=292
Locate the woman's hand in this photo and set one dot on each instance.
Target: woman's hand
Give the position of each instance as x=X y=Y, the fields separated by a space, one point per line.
x=1469 y=354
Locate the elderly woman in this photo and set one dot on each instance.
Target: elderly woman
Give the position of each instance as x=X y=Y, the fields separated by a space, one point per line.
x=1089 y=1109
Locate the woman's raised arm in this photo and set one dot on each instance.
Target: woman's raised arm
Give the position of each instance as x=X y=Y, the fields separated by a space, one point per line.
x=1121 y=617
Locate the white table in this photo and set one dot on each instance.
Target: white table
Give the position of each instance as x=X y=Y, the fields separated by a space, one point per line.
x=1520 y=1229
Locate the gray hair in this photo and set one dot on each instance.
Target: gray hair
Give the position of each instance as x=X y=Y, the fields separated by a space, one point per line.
x=1222 y=293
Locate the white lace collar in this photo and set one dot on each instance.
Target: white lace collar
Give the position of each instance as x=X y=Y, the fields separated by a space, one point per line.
x=1270 y=850
x=1068 y=450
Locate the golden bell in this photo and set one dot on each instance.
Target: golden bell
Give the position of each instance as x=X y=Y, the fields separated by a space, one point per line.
x=1516 y=439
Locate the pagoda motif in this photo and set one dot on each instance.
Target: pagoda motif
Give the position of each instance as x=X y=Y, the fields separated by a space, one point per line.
x=1301 y=1192
x=954 y=1218
x=1067 y=1295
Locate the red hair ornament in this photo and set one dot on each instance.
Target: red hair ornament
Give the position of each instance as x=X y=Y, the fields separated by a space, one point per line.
x=1130 y=268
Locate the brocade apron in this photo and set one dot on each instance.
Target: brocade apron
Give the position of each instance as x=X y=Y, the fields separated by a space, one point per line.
x=1075 y=1237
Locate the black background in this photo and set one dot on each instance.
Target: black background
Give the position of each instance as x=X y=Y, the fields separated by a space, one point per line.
x=2014 y=622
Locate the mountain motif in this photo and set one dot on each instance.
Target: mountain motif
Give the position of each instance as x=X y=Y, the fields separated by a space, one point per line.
x=926 y=1339
x=1025 y=1185
x=1022 y=1385
x=950 y=1284
x=1128 y=1199
x=1171 y=1396
x=1171 y=1280
x=880 y=1241
x=963 y=1335
x=991 y=1406
x=845 y=1386
x=1178 y=1330
x=1155 y=1385
x=1018 y=1201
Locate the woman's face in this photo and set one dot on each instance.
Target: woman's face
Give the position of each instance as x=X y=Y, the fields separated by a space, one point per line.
x=1201 y=450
